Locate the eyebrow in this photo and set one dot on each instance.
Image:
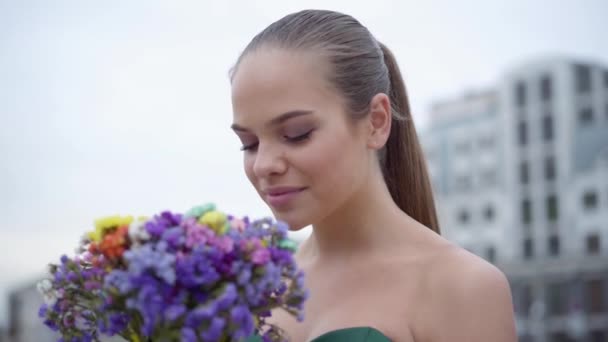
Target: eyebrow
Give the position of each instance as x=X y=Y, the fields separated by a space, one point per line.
x=278 y=120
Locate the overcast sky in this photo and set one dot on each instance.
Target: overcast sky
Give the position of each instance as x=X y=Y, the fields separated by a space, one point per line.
x=124 y=107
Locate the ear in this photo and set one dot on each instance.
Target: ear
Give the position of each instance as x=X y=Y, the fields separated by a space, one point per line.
x=380 y=117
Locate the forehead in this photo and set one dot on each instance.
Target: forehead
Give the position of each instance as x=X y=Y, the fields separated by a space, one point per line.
x=272 y=81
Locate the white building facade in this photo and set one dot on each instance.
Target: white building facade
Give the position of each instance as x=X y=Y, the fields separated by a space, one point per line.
x=535 y=150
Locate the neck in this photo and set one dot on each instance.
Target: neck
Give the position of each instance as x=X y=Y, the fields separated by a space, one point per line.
x=368 y=224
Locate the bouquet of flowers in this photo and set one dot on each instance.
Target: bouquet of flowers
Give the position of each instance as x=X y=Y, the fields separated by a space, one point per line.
x=198 y=276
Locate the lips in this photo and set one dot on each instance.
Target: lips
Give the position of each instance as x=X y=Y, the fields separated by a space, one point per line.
x=281 y=196
x=281 y=190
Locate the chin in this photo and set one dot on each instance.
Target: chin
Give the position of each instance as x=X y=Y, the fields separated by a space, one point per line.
x=292 y=218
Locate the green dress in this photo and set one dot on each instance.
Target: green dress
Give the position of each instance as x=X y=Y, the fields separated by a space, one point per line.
x=358 y=334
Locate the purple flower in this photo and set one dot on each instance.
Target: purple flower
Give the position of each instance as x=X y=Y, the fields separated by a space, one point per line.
x=242 y=319
x=90 y=285
x=72 y=276
x=154 y=228
x=174 y=312
x=260 y=256
x=189 y=335
x=171 y=219
x=118 y=323
x=119 y=280
x=152 y=258
x=196 y=234
x=200 y=314
x=160 y=223
x=196 y=269
x=244 y=275
x=215 y=330
x=228 y=297
x=281 y=229
x=224 y=243
x=43 y=310
x=150 y=304
x=174 y=237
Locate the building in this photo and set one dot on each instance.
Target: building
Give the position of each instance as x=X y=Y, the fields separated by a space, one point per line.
x=24 y=323
x=520 y=174
x=466 y=164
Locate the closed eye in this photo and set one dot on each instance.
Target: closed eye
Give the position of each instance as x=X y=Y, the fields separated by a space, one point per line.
x=299 y=138
x=250 y=147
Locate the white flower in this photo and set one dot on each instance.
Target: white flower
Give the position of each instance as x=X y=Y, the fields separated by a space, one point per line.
x=49 y=295
x=137 y=231
x=44 y=286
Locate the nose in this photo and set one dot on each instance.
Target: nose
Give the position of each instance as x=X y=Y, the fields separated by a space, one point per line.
x=269 y=161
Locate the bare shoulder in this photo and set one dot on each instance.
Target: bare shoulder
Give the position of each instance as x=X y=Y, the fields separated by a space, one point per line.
x=458 y=272
x=465 y=298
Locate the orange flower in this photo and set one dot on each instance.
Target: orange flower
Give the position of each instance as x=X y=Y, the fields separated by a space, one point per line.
x=114 y=244
x=93 y=248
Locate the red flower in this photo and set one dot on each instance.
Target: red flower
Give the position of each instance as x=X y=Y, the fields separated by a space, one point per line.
x=114 y=244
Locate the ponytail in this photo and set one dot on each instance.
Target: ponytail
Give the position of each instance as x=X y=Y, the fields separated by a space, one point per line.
x=404 y=166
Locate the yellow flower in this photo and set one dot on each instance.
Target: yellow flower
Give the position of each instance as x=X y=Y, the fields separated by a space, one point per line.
x=215 y=220
x=133 y=334
x=200 y=210
x=104 y=224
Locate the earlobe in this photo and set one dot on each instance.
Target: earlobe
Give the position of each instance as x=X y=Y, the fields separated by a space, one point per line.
x=379 y=121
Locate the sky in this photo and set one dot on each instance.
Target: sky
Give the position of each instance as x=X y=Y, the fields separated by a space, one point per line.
x=115 y=107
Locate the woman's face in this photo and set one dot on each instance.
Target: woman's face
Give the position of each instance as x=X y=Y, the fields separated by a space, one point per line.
x=302 y=153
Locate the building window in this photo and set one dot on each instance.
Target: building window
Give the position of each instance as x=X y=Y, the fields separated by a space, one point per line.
x=520 y=94
x=526 y=338
x=557 y=298
x=546 y=90
x=554 y=245
x=549 y=168
x=552 y=208
x=599 y=336
x=488 y=177
x=524 y=173
x=590 y=200
x=490 y=254
x=526 y=211
x=585 y=116
x=547 y=128
x=559 y=337
x=593 y=244
x=463 y=147
x=463 y=183
x=464 y=216
x=486 y=141
x=522 y=133
x=528 y=249
x=583 y=78
x=595 y=296
x=526 y=300
x=488 y=213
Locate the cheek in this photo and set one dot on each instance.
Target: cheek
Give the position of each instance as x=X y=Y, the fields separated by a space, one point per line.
x=248 y=162
x=332 y=163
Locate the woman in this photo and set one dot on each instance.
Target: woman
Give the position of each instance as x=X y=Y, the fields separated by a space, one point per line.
x=328 y=138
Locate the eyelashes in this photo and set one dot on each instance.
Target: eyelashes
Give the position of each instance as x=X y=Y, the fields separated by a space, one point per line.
x=300 y=137
x=249 y=147
x=292 y=140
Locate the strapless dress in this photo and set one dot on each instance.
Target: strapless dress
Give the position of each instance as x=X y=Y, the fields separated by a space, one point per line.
x=357 y=334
